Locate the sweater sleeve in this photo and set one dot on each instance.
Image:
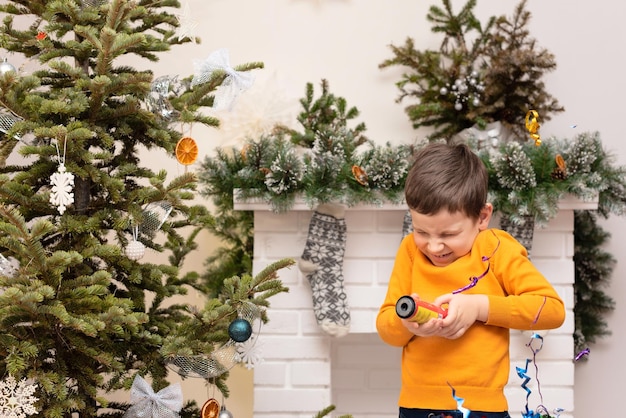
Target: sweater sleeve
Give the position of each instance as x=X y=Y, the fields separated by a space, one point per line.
x=388 y=324
x=531 y=302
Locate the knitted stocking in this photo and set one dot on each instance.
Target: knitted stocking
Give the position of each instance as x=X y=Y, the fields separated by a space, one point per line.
x=321 y=263
x=407 y=224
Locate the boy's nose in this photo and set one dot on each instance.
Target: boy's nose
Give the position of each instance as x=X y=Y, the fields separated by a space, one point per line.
x=435 y=245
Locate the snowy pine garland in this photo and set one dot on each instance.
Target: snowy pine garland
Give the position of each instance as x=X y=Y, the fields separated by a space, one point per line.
x=514 y=168
x=328 y=162
x=525 y=179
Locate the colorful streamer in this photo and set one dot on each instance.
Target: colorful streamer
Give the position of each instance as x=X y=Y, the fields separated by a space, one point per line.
x=459 y=402
x=583 y=353
x=474 y=279
x=532 y=125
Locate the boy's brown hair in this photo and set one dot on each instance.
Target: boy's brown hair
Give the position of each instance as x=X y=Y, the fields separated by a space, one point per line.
x=445 y=176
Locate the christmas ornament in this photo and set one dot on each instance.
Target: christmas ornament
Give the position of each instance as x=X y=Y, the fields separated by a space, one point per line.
x=249 y=352
x=186 y=150
x=321 y=263
x=166 y=403
x=158 y=99
x=210 y=409
x=464 y=90
x=62 y=182
x=41 y=36
x=360 y=175
x=532 y=125
x=223 y=358
x=560 y=171
x=257 y=112
x=6 y=267
x=135 y=250
x=240 y=330
x=5 y=67
x=154 y=216
x=225 y=413
x=187 y=25
x=234 y=83
x=16 y=399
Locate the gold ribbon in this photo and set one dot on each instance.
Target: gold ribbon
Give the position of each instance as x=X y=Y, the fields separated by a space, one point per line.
x=532 y=125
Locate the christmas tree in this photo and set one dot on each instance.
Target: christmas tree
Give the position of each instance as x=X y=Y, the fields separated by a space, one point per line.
x=81 y=315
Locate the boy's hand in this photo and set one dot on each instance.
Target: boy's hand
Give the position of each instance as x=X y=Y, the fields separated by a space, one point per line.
x=463 y=311
x=428 y=329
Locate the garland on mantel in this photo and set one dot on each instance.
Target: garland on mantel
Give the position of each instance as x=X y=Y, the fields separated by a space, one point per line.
x=330 y=162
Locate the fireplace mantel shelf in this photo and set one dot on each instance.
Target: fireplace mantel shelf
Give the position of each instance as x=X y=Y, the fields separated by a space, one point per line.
x=567 y=203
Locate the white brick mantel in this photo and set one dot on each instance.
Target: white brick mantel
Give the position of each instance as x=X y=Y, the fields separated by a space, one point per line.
x=304 y=370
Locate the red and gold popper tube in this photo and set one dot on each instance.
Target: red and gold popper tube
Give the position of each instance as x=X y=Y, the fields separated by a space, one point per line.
x=418 y=310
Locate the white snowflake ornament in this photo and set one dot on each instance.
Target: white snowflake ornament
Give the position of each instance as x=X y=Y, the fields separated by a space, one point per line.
x=62 y=194
x=16 y=399
x=249 y=352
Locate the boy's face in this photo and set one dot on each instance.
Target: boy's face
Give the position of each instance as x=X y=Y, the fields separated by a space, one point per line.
x=445 y=237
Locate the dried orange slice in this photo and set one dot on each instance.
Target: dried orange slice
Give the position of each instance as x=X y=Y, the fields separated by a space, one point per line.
x=186 y=150
x=360 y=175
x=210 y=409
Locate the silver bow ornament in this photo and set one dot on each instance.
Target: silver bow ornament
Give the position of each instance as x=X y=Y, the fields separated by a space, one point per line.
x=166 y=403
x=234 y=83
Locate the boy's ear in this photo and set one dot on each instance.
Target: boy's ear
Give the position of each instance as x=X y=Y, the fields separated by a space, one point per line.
x=485 y=216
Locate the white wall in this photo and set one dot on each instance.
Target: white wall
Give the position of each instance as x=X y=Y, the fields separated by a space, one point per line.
x=343 y=41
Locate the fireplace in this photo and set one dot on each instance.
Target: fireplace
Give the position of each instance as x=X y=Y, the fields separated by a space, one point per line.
x=304 y=370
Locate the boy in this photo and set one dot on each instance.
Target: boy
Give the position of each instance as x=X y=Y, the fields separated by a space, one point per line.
x=483 y=278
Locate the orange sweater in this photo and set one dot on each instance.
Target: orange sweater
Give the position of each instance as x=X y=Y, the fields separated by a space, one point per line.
x=477 y=364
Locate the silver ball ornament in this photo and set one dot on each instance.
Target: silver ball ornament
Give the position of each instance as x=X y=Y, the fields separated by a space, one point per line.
x=6 y=66
x=443 y=91
x=224 y=413
x=458 y=106
x=135 y=250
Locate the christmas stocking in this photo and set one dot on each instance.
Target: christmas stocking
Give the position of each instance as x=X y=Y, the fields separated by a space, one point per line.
x=407 y=224
x=322 y=263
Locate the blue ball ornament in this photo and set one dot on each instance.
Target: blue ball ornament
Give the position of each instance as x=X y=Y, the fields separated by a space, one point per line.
x=240 y=330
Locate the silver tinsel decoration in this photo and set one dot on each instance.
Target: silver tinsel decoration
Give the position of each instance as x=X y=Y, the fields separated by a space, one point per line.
x=93 y=3
x=6 y=122
x=154 y=216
